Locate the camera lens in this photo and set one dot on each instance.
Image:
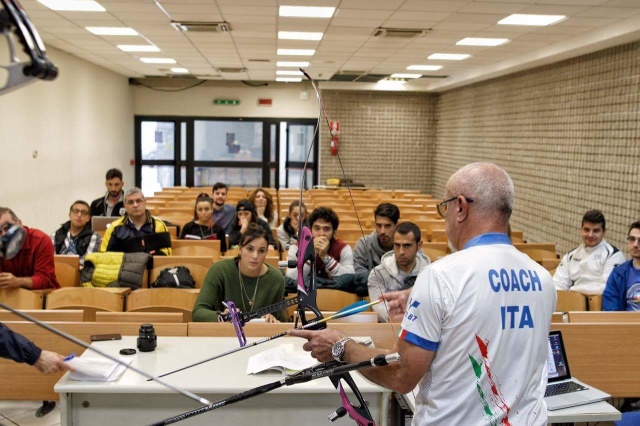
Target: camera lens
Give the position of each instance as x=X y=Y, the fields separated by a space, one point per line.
x=147 y=340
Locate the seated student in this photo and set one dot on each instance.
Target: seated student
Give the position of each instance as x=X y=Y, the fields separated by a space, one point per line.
x=399 y=268
x=32 y=267
x=586 y=268
x=370 y=248
x=245 y=280
x=333 y=257
x=263 y=204
x=223 y=214
x=288 y=230
x=111 y=204
x=622 y=292
x=129 y=233
x=202 y=226
x=75 y=236
x=245 y=215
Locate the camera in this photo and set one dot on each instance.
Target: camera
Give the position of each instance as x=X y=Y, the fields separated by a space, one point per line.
x=147 y=340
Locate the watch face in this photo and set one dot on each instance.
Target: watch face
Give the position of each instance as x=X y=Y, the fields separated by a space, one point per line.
x=337 y=350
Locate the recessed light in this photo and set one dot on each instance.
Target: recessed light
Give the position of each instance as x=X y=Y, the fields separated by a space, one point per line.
x=158 y=60
x=289 y=79
x=288 y=72
x=292 y=64
x=387 y=84
x=424 y=67
x=306 y=11
x=138 y=48
x=474 y=41
x=73 y=5
x=402 y=75
x=299 y=35
x=114 y=31
x=179 y=70
x=535 y=20
x=296 y=52
x=449 y=56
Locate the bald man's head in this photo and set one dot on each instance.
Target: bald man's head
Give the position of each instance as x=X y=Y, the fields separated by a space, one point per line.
x=488 y=185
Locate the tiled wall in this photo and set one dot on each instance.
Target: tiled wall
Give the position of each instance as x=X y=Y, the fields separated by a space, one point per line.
x=386 y=138
x=567 y=133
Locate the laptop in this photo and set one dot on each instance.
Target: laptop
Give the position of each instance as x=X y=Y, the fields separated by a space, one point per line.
x=101 y=223
x=562 y=390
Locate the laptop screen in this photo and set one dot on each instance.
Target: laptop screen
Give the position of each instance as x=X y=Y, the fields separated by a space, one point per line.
x=557 y=360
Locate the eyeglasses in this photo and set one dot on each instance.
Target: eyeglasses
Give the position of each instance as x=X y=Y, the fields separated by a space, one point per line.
x=83 y=213
x=632 y=240
x=442 y=207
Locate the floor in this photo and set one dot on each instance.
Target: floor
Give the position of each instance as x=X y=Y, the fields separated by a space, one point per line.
x=23 y=413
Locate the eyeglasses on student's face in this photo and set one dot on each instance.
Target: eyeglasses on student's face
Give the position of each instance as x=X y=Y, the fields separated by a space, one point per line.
x=632 y=240
x=442 y=207
x=83 y=213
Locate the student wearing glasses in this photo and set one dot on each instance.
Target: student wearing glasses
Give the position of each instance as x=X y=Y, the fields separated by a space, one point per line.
x=622 y=292
x=75 y=236
x=202 y=227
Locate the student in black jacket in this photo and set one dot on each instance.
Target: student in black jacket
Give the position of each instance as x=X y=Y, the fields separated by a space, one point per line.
x=202 y=226
x=246 y=214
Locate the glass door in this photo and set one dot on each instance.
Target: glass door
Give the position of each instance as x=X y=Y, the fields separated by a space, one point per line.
x=295 y=141
x=159 y=153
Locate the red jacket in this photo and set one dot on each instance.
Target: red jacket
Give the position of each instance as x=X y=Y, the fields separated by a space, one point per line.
x=34 y=260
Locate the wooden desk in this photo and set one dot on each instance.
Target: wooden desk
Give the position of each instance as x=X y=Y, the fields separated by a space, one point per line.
x=134 y=400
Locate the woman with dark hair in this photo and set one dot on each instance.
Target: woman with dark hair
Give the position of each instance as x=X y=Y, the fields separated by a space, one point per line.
x=288 y=230
x=245 y=215
x=264 y=207
x=202 y=226
x=245 y=280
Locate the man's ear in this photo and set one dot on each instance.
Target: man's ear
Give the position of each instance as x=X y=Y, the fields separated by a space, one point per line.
x=462 y=209
x=419 y=244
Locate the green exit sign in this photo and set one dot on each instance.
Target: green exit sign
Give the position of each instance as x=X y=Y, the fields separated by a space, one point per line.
x=226 y=102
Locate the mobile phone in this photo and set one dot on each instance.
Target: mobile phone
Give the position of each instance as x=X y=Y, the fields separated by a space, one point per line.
x=103 y=337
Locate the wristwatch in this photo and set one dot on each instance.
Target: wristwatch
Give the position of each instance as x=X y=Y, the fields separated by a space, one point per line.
x=337 y=351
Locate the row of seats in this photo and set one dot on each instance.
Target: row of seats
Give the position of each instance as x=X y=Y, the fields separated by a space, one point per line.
x=93 y=301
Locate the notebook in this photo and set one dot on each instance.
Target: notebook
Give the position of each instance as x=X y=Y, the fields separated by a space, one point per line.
x=562 y=390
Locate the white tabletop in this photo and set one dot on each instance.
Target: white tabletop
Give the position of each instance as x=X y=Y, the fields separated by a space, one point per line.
x=221 y=375
x=594 y=412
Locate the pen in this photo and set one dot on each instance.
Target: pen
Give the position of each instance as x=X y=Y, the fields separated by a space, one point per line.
x=70 y=357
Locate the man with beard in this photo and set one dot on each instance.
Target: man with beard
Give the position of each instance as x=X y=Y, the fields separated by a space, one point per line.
x=223 y=214
x=370 y=248
x=112 y=204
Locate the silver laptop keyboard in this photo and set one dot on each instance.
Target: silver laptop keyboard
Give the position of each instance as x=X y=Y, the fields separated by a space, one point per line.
x=564 y=387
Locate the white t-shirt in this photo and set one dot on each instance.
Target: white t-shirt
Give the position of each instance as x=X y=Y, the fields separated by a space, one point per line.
x=586 y=269
x=486 y=311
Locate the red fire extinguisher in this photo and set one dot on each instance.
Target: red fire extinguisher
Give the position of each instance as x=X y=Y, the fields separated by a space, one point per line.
x=335 y=131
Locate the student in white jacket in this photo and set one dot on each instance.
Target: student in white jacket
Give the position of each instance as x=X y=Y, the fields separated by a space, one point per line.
x=399 y=268
x=586 y=268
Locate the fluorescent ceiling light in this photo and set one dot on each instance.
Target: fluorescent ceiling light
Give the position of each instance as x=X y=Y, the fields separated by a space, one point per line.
x=306 y=11
x=158 y=60
x=298 y=35
x=292 y=64
x=73 y=5
x=115 y=31
x=474 y=41
x=296 y=52
x=424 y=67
x=402 y=75
x=288 y=72
x=536 y=20
x=289 y=79
x=386 y=84
x=138 y=48
x=449 y=56
x=179 y=70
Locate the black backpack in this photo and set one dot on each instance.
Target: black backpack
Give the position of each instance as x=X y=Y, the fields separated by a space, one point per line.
x=177 y=277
